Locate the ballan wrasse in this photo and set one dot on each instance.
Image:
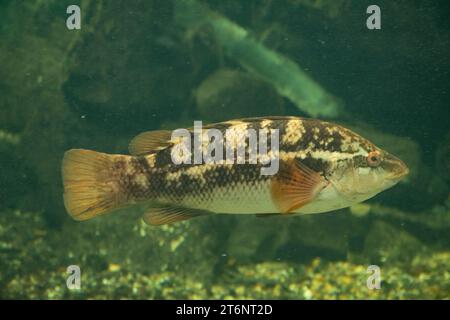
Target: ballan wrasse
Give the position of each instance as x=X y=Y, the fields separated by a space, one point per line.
x=322 y=167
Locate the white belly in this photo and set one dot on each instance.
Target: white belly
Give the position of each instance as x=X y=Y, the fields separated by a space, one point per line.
x=328 y=199
x=246 y=199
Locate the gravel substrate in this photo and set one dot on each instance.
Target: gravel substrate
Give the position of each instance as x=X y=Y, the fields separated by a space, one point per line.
x=33 y=266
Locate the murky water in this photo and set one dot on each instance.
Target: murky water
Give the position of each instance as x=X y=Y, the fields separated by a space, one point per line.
x=96 y=74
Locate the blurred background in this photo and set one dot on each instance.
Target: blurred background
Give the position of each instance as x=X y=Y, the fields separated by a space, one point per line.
x=144 y=65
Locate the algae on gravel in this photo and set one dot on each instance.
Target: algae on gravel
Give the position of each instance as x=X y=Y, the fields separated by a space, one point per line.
x=126 y=259
x=133 y=70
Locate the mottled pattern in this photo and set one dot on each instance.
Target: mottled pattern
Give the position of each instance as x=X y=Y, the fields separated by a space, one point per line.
x=155 y=177
x=134 y=177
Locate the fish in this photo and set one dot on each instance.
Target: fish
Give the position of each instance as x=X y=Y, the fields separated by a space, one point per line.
x=322 y=167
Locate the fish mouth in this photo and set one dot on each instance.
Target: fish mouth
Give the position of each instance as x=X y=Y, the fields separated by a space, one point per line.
x=396 y=167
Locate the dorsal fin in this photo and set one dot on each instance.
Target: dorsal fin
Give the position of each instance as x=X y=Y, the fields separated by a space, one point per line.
x=170 y=214
x=149 y=142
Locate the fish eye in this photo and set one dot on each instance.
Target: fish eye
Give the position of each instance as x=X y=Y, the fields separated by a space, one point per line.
x=374 y=158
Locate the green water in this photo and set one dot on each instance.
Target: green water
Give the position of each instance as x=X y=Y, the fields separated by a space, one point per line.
x=146 y=65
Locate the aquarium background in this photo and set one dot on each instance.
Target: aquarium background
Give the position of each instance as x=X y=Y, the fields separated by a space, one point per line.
x=140 y=65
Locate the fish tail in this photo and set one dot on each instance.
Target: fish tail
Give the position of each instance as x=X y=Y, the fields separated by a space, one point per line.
x=91 y=187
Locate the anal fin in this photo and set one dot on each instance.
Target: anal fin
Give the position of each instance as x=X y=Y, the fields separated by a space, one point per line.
x=171 y=214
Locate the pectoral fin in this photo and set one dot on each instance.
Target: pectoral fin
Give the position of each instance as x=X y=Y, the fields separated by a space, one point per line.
x=170 y=214
x=295 y=185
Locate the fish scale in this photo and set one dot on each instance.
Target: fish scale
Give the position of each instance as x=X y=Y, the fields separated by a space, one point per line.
x=321 y=167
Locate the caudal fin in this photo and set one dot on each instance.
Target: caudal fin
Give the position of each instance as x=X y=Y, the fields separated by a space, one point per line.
x=89 y=186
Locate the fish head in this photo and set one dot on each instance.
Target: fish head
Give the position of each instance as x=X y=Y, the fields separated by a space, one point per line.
x=367 y=173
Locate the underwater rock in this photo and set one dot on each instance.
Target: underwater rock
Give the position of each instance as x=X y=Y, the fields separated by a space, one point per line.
x=120 y=243
x=298 y=238
x=262 y=237
x=121 y=257
x=33 y=107
x=228 y=94
x=121 y=83
x=76 y=86
x=386 y=244
x=189 y=248
x=284 y=74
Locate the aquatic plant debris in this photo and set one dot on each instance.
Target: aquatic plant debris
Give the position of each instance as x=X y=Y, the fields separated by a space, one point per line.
x=284 y=74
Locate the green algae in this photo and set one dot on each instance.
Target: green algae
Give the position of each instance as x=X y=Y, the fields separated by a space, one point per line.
x=170 y=263
x=138 y=69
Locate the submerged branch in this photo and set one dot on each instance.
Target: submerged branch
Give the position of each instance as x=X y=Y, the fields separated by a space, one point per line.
x=284 y=74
